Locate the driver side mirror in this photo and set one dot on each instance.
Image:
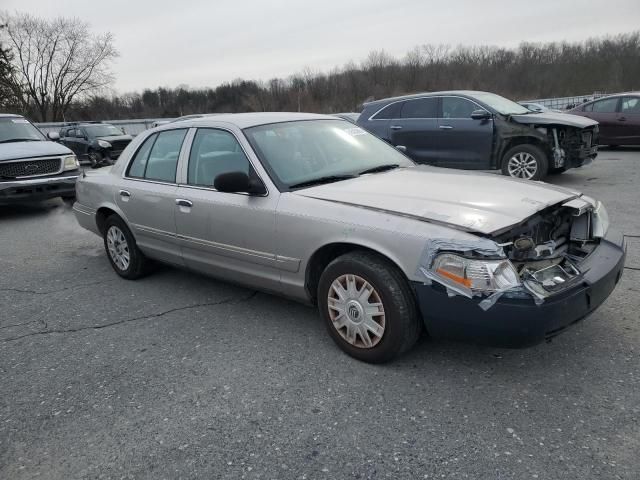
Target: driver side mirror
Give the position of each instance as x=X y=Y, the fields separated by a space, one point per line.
x=481 y=115
x=53 y=136
x=237 y=182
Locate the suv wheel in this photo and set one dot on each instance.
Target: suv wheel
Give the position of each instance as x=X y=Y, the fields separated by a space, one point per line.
x=525 y=161
x=368 y=307
x=123 y=253
x=95 y=158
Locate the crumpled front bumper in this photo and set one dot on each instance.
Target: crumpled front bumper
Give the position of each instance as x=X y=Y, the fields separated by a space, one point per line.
x=42 y=188
x=519 y=322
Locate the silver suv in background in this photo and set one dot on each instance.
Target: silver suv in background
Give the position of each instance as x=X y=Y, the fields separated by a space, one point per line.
x=31 y=166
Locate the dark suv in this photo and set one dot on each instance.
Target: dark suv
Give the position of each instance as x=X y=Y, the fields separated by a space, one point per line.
x=481 y=130
x=100 y=143
x=32 y=167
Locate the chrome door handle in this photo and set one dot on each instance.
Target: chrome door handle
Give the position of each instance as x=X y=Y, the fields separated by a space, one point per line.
x=181 y=202
x=446 y=127
x=125 y=193
x=395 y=127
x=622 y=119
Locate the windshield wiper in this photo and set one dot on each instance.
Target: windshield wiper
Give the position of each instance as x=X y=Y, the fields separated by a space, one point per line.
x=321 y=180
x=380 y=168
x=11 y=140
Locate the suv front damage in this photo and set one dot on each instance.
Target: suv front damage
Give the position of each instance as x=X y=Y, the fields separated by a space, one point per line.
x=569 y=141
x=524 y=284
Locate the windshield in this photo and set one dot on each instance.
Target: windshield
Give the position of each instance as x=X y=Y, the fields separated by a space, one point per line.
x=103 y=131
x=500 y=104
x=14 y=129
x=304 y=151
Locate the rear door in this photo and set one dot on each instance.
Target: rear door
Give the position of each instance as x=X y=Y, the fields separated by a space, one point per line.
x=628 y=121
x=463 y=141
x=147 y=195
x=416 y=130
x=604 y=111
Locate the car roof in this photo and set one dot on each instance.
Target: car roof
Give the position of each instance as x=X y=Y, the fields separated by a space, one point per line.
x=246 y=120
x=10 y=115
x=464 y=93
x=616 y=95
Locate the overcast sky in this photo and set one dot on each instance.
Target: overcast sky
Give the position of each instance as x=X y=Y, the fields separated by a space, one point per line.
x=206 y=42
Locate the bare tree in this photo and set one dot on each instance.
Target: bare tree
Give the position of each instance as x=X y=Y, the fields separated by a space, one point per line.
x=55 y=62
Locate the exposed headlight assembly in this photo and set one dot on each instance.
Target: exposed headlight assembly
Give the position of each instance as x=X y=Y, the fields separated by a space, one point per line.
x=104 y=144
x=600 y=220
x=70 y=162
x=472 y=276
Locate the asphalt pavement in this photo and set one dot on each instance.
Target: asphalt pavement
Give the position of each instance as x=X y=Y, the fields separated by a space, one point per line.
x=181 y=376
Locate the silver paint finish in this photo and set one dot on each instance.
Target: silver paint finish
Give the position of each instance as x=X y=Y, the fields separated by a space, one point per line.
x=268 y=241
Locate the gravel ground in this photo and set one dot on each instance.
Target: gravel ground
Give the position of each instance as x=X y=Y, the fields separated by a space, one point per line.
x=181 y=376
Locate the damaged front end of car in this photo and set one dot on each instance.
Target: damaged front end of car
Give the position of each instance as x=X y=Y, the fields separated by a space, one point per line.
x=570 y=146
x=539 y=257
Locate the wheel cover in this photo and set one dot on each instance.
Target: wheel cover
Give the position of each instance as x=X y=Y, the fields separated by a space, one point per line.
x=118 y=248
x=522 y=165
x=356 y=311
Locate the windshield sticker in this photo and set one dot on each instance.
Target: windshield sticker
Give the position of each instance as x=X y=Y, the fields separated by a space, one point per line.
x=355 y=131
x=19 y=120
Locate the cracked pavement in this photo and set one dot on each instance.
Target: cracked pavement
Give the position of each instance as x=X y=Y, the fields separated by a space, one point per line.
x=181 y=376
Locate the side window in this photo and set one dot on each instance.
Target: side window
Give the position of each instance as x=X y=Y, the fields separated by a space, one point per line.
x=80 y=133
x=163 y=157
x=139 y=163
x=630 y=105
x=389 y=112
x=420 y=108
x=588 y=107
x=605 y=106
x=214 y=152
x=456 y=107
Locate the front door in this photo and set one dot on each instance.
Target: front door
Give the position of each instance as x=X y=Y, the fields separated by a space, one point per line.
x=464 y=142
x=147 y=195
x=416 y=130
x=228 y=235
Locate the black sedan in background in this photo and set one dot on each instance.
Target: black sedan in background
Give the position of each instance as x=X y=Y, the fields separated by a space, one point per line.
x=481 y=130
x=100 y=143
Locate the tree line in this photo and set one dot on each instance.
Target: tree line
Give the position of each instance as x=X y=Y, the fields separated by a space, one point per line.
x=531 y=70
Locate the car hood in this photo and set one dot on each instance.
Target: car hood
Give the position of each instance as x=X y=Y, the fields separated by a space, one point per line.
x=116 y=138
x=19 y=150
x=554 y=118
x=484 y=203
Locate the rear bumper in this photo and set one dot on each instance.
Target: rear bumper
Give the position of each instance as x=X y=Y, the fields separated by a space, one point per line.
x=35 y=189
x=519 y=322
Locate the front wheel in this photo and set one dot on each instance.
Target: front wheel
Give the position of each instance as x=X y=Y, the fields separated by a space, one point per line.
x=368 y=307
x=525 y=161
x=123 y=253
x=95 y=158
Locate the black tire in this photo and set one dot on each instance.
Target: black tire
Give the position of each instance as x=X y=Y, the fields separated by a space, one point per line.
x=541 y=161
x=139 y=265
x=402 y=324
x=69 y=200
x=95 y=158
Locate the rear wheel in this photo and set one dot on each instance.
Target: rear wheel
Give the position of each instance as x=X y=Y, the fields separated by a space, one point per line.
x=368 y=307
x=123 y=253
x=525 y=161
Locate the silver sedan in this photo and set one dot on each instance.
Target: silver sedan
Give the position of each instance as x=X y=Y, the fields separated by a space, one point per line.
x=316 y=209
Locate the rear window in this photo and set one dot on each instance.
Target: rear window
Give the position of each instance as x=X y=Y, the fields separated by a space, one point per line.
x=420 y=108
x=157 y=158
x=389 y=112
